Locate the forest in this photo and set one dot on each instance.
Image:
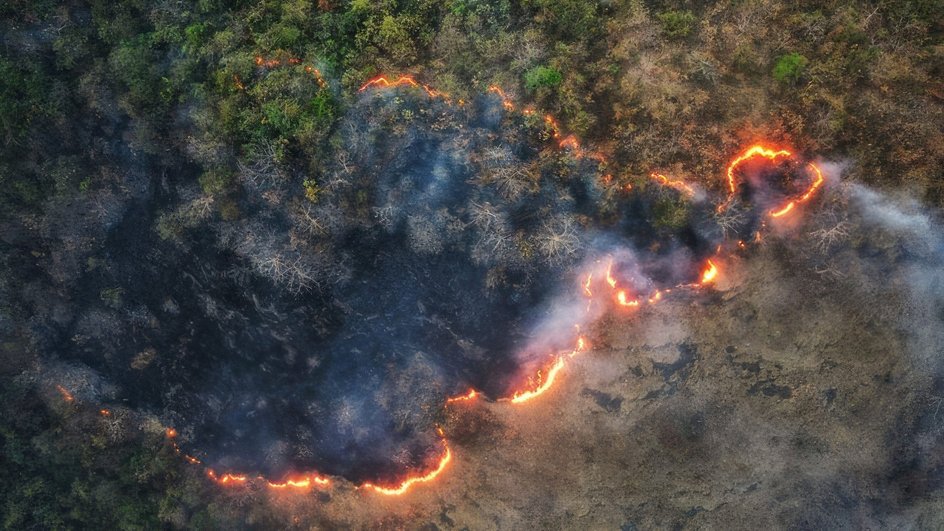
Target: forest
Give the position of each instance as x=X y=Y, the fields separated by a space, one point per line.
x=213 y=216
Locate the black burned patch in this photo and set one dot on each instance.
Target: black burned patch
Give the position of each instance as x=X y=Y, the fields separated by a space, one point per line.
x=319 y=321
x=608 y=402
x=687 y=354
x=769 y=388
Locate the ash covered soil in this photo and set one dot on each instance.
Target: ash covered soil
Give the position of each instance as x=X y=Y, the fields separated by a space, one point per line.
x=798 y=403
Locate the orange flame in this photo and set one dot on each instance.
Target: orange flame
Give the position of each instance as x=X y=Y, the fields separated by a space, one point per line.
x=817 y=182
x=410 y=481
x=586 y=286
x=609 y=275
x=170 y=433
x=383 y=82
x=544 y=383
x=623 y=299
x=301 y=483
x=227 y=479
x=710 y=272
x=753 y=151
x=679 y=186
x=462 y=398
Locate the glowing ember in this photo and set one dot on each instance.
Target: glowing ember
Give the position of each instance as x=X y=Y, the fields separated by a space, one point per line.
x=170 y=433
x=410 y=481
x=227 y=479
x=66 y=395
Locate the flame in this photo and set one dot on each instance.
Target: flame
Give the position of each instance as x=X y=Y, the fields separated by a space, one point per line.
x=383 y=82
x=817 y=182
x=192 y=460
x=227 y=479
x=506 y=101
x=623 y=299
x=410 y=481
x=66 y=395
x=753 y=151
x=677 y=185
x=710 y=272
x=104 y=412
x=301 y=483
x=586 y=286
x=471 y=395
x=170 y=433
x=544 y=384
x=609 y=275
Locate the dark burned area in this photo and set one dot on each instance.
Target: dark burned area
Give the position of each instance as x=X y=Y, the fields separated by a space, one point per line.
x=431 y=260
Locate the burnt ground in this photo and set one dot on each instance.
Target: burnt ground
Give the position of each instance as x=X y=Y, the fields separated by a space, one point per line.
x=791 y=404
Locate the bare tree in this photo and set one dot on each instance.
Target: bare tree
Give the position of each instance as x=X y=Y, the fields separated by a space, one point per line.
x=558 y=240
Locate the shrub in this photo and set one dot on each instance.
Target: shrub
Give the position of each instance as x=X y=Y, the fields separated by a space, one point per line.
x=542 y=76
x=790 y=67
x=677 y=24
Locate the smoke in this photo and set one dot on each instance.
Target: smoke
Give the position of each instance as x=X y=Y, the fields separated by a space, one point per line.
x=323 y=325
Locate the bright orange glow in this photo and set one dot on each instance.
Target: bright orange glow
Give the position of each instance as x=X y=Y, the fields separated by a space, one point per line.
x=623 y=299
x=402 y=81
x=227 y=479
x=609 y=275
x=301 y=483
x=462 y=398
x=170 y=433
x=782 y=211
x=506 y=101
x=410 y=481
x=544 y=383
x=192 y=460
x=817 y=182
x=66 y=395
x=104 y=412
x=710 y=272
x=677 y=185
x=753 y=151
x=586 y=286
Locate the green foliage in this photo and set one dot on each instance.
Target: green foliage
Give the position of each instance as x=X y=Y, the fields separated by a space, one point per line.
x=542 y=76
x=670 y=213
x=216 y=181
x=789 y=67
x=676 y=24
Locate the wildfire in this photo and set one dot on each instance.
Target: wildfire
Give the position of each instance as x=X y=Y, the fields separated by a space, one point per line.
x=817 y=182
x=66 y=395
x=506 y=101
x=770 y=154
x=301 y=483
x=471 y=395
x=410 y=481
x=544 y=383
x=402 y=81
x=227 y=479
x=680 y=186
x=586 y=286
x=623 y=299
x=753 y=151
x=170 y=433
x=710 y=272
